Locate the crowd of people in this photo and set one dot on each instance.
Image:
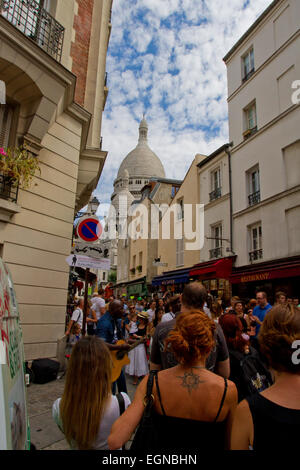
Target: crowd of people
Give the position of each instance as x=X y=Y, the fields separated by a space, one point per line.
x=222 y=376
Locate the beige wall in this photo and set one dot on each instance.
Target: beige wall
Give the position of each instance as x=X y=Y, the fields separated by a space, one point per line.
x=189 y=192
x=36 y=232
x=274 y=148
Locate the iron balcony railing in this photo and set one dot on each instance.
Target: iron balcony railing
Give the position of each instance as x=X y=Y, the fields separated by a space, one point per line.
x=255 y=255
x=215 y=194
x=216 y=252
x=254 y=198
x=29 y=17
x=7 y=190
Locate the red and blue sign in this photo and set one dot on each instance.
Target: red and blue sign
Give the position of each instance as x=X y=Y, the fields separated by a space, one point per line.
x=89 y=229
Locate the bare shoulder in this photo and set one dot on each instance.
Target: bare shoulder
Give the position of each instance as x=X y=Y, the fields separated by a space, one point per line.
x=243 y=413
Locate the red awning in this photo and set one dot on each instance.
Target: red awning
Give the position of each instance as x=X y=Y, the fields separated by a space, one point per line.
x=217 y=269
x=266 y=271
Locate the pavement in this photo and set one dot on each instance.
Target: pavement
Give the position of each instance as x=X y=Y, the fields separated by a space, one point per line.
x=45 y=434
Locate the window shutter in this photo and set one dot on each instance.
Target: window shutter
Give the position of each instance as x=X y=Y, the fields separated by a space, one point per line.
x=5 y=124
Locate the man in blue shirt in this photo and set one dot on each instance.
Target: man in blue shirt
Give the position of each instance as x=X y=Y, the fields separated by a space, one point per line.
x=260 y=311
x=109 y=330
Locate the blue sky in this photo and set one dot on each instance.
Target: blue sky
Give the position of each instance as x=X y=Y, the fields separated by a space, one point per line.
x=165 y=60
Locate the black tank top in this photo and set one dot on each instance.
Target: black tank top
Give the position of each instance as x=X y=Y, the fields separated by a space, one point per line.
x=180 y=433
x=275 y=427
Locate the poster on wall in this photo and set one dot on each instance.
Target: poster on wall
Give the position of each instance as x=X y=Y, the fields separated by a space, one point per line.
x=14 y=433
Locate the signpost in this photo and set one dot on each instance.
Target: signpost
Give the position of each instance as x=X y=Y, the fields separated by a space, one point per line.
x=159 y=263
x=87 y=262
x=92 y=250
x=89 y=229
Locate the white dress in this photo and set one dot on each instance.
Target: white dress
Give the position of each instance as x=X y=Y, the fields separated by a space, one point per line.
x=138 y=358
x=111 y=414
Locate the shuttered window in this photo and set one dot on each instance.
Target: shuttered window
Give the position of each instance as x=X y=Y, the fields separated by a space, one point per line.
x=6 y=113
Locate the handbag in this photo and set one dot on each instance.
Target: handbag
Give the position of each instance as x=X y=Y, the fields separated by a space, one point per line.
x=145 y=437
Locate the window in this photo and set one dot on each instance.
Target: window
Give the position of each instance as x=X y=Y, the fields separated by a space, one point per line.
x=250 y=120
x=256 y=251
x=215 y=177
x=174 y=190
x=6 y=115
x=180 y=213
x=103 y=277
x=248 y=64
x=216 y=237
x=253 y=186
x=180 y=252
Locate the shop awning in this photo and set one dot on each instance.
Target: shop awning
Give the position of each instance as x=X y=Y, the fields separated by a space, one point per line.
x=287 y=267
x=172 y=277
x=215 y=269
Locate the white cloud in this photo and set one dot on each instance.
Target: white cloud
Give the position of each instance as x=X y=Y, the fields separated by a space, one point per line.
x=165 y=59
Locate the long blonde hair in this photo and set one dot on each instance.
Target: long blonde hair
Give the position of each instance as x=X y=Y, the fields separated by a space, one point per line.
x=87 y=389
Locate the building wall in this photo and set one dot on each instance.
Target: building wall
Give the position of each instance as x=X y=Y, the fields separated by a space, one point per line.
x=167 y=247
x=36 y=232
x=274 y=148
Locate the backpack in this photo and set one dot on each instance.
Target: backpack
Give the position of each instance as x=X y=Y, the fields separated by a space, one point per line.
x=252 y=375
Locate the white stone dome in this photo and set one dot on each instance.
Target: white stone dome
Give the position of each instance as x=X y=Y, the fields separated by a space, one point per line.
x=142 y=161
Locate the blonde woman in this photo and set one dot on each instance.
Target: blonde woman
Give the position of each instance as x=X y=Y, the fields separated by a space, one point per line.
x=87 y=409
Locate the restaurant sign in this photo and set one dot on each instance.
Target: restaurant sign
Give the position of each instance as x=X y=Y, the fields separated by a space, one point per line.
x=256 y=277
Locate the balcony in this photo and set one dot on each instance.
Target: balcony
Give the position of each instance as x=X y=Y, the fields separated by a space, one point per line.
x=254 y=198
x=216 y=252
x=248 y=75
x=255 y=255
x=36 y=23
x=249 y=132
x=7 y=190
x=215 y=194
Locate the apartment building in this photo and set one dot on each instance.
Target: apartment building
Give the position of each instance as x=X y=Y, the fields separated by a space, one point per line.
x=264 y=124
x=52 y=66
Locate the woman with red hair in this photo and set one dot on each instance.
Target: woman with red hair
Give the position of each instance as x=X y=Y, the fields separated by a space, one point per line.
x=246 y=368
x=192 y=407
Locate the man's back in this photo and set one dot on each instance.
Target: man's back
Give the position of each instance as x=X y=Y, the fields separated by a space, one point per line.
x=166 y=359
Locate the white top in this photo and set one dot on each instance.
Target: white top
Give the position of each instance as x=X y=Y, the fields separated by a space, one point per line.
x=133 y=327
x=206 y=310
x=77 y=316
x=111 y=414
x=151 y=314
x=168 y=316
x=97 y=304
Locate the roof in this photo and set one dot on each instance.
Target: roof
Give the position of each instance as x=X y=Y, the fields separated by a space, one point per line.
x=212 y=155
x=249 y=31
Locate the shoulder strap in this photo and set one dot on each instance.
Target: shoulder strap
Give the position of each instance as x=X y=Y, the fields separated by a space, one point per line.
x=159 y=396
x=222 y=401
x=121 y=402
x=78 y=316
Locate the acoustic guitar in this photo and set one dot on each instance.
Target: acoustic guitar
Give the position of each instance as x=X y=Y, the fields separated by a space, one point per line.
x=120 y=358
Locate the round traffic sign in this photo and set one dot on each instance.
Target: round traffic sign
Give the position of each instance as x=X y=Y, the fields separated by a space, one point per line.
x=89 y=229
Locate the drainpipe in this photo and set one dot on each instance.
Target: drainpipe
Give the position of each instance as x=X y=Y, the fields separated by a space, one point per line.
x=227 y=150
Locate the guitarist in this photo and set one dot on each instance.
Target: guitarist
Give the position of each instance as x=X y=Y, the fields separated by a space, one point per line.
x=110 y=331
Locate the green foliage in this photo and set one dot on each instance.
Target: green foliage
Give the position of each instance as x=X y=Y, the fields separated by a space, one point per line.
x=19 y=164
x=112 y=277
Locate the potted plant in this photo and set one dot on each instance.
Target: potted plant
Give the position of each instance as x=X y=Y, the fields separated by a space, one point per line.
x=18 y=166
x=139 y=268
x=132 y=270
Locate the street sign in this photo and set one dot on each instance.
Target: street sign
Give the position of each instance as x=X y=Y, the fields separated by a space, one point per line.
x=78 y=261
x=89 y=229
x=159 y=263
x=92 y=250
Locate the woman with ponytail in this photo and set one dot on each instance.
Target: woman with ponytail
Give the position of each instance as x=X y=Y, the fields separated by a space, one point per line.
x=192 y=407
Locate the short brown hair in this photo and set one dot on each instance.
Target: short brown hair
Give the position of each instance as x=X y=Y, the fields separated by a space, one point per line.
x=280 y=328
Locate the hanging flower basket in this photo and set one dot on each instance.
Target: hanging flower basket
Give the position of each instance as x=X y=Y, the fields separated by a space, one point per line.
x=18 y=166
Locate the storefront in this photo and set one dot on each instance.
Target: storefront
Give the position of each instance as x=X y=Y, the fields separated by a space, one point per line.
x=271 y=277
x=214 y=275
x=137 y=288
x=173 y=281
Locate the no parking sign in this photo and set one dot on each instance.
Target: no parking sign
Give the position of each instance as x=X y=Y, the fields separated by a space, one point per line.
x=89 y=229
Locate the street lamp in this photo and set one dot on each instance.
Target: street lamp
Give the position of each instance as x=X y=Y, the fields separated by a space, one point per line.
x=94 y=204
